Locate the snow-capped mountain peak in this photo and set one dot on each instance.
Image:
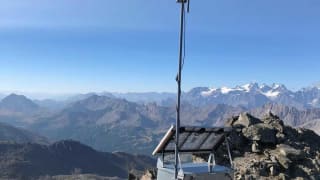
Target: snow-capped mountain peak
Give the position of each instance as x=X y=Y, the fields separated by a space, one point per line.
x=226 y=90
x=275 y=86
x=250 y=87
x=271 y=92
x=246 y=87
x=279 y=87
x=208 y=92
x=254 y=94
x=265 y=88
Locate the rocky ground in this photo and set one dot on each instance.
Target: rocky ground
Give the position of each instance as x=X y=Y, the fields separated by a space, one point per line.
x=267 y=149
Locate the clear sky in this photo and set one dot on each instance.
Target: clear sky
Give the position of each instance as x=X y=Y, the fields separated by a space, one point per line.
x=65 y=46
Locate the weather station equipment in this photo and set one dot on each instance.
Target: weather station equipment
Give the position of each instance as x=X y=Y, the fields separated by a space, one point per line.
x=191 y=140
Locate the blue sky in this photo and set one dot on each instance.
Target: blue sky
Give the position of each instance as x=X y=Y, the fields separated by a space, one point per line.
x=110 y=45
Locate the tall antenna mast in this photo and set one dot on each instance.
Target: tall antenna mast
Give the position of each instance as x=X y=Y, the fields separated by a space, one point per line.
x=178 y=79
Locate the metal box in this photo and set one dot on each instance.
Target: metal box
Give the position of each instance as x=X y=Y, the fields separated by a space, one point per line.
x=194 y=140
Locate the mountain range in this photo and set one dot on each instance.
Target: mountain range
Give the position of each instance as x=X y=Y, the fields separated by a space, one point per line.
x=111 y=123
x=254 y=95
x=249 y=95
x=291 y=115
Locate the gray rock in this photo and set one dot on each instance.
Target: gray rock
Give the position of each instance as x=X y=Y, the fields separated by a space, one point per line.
x=283 y=176
x=273 y=171
x=290 y=152
x=246 y=120
x=263 y=133
x=280 y=137
x=284 y=161
x=255 y=147
x=149 y=174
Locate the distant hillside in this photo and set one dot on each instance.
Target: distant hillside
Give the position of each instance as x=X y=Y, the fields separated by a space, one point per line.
x=110 y=124
x=51 y=104
x=290 y=115
x=313 y=125
x=17 y=104
x=147 y=97
x=26 y=161
x=9 y=133
x=19 y=111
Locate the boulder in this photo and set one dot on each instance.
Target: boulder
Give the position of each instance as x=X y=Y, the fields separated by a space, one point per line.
x=255 y=147
x=262 y=133
x=273 y=171
x=274 y=121
x=290 y=152
x=149 y=175
x=280 y=137
x=284 y=161
x=283 y=176
x=246 y=120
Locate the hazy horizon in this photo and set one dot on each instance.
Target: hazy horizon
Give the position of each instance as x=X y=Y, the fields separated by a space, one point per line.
x=64 y=96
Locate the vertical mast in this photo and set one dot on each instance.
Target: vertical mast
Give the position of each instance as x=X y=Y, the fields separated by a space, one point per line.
x=178 y=79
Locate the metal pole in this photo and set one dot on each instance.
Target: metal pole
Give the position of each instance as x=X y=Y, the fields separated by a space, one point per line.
x=178 y=79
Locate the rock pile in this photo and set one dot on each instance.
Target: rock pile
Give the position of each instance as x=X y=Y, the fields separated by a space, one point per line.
x=148 y=174
x=267 y=149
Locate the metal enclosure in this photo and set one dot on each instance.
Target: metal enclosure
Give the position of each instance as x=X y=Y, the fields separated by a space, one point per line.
x=194 y=140
x=196 y=172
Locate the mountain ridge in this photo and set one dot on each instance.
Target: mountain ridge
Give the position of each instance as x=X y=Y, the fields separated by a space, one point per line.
x=18 y=103
x=253 y=95
x=10 y=133
x=31 y=161
x=250 y=95
x=108 y=123
x=112 y=124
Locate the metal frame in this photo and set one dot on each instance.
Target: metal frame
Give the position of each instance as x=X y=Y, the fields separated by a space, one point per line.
x=220 y=133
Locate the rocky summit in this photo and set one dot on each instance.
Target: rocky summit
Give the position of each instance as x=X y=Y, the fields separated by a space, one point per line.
x=267 y=149
x=264 y=148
